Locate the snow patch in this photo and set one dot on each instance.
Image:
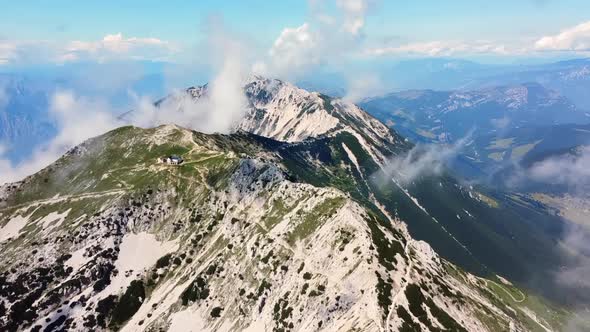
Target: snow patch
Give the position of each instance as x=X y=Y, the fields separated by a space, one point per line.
x=13 y=227
x=77 y=259
x=186 y=321
x=352 y=157
x=137 y=253
x=468 y=213
x=53 y=220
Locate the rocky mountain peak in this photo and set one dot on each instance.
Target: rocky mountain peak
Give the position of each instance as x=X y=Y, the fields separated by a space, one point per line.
x=285 y=112
x=226 y=241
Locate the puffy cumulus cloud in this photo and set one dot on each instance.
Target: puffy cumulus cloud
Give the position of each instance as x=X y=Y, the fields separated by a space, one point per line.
x=179 y=108
x=501 y=123
x=422 y=160
x=575 y=240
x=443 y=48
x=117 y=46
x=572 y=39
x=295 y=50
x=573 y=277
x=110 y=47
x=363 y=85
x=354 y=12
x=572 y=170
x=325 y=38
x=77 y=119
x=225 y=102
x=292 y=39
x=8 y=52
x=27 y=51
x=217 y=111
x=572 y=173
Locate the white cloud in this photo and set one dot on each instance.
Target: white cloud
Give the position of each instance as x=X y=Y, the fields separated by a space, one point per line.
x=575 y=39
x=323 y=38
x=292 y=38
x=326 y=38
x=294 y=51
x=576 y=276
x=217 y=112
x=573 y=276
x=572 y=39
x=117 y=46
x=114 y=43
x=225 y=103
x=354 y=12
x=110 y=47
x=422 y=160
x=78 y=119
x=443 y=48
x=7 y=52
x=570 y=170
x=501 y=123
x=364 y=85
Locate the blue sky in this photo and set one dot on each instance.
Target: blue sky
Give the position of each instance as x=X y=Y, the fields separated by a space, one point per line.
x=60 y=31
x=170 y=20
x=179 y=20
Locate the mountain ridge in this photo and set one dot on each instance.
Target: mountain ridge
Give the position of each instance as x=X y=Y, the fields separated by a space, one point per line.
x=501 y=217
x=431 y=113
x=282 y=111
x=220 y=249
x=276 y=219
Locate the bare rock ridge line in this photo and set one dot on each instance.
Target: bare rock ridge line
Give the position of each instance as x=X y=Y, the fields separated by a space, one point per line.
x=279 y=226
x=240 y=247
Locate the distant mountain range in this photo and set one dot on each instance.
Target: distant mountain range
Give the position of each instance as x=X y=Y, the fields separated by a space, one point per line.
x=502 y=125
x=27 y=113
x=24 y=118
x=570 y=78
x=450 y=115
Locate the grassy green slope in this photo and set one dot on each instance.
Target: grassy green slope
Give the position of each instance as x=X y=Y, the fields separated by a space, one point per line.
x=121 y=166
x=484 y=233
